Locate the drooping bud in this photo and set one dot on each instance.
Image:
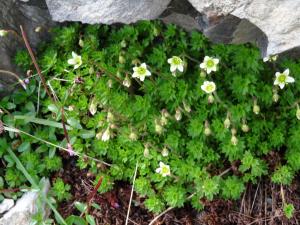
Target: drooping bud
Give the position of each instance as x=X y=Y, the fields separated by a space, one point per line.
x=71 y=108
x=227 y=121
x=106 y=135
x=165 y=113
x=109 y=83
x=133 y=136
x=38 y=29
x=298 y=112
x=110 y=117
x=207 y=130
x=256 y=108
x=3 y=33
x=93 y=106
x=127 y=81
x=245 y=127
x=178 y=114
x=186 y=107
x=122 y=59
x=210 y=99
x=202 y=74
x=165 y=152
x=275 y=95
x=163 y=121
x=81 y=43
x=123 y=44
x=146 y=151
x=233 y=131
x=158 y=127
x=91 y=70
x=234 y=140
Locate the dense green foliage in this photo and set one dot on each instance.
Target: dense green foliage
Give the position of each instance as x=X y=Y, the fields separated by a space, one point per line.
x=164 y=118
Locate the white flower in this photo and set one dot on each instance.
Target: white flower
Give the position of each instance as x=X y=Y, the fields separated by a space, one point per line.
x=163 y=169
x=106 y=135
x=209 y=64
x=141 y=72
x=208 y=87
x=176 y=63
x=76 y=60
x=283 y=78
x=178 y=114
x=3 y=33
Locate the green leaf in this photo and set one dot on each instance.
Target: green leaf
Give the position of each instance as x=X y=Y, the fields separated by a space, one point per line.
x=288 y=210
x=41 y=121
x=80 y=206
x=74 y=123
x=25 y=146
x=90 y=219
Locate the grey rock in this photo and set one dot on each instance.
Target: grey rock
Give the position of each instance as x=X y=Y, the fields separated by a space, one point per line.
x=25 y=208
x=106 y=11
x=6 y=204
x=279 y=20
x=30 y=15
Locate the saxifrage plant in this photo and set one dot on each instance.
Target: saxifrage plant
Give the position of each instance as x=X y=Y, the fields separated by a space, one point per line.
x=199 y=118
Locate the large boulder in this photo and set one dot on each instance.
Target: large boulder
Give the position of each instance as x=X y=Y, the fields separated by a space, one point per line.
x=14 y=13
x=279 y=20
x=106 y=11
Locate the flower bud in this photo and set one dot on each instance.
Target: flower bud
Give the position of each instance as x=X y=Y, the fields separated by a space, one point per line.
x=163 y=121
x=122 y=59
x=210 y=99
x=186 y=107
x=155 y=32
x=3 y=33
x=110 y=117
x=71 y=108
x=233 y=131
x=256 y=109
x=227 y=123
x=178 y=114
x=133 y=136
x=91 y=70
x=38 y=29
x=207 y=130
x=109 y=83
x=234 y=140
x=123 y=44
x=93 y=106
x=81 y=43
x=165 y=113
x=146 y=152
x=106 y=135
x=245 y=128
x=298 y=113
x=127 y=81
x=275 y=97
x=202 y=74
x=158 y=127
x=165 y=152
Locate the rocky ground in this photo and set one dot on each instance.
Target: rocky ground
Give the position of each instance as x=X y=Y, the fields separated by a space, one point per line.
x=261 y=204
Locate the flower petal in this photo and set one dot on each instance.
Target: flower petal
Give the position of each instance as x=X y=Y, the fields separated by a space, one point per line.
x=216 y=61
x=170 y=60
x=290 y=79
x=148 y=73
x=281 y=85
x=276 y=82
x=74 y=55
x=286 y=72
x=158 y=170
x=180 y=68
x=135 y=74
x=202 y=65
x=144 y=65
x=173 y=68
x=277 y=74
